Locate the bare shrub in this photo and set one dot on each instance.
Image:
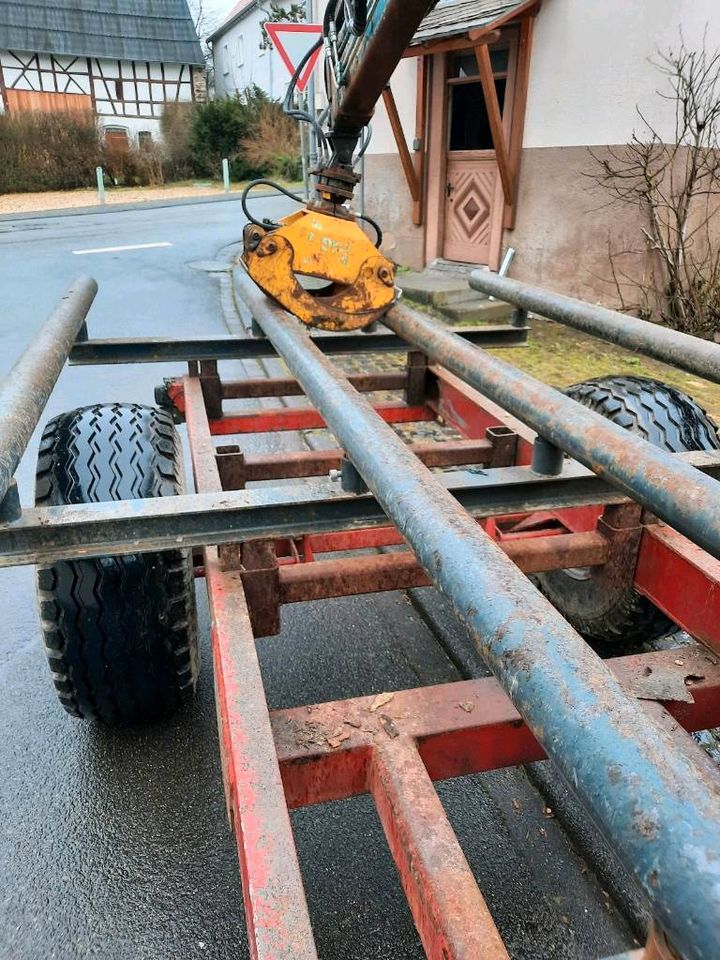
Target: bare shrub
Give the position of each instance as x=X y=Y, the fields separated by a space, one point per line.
x=176 y=124
x=48 y=151
x=274 y=143
x=676 y=187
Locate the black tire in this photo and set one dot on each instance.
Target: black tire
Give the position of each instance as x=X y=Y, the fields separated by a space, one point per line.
x=667 y=418
x=120 y=632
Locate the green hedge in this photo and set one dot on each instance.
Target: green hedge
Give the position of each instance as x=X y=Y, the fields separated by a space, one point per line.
x=60 y=151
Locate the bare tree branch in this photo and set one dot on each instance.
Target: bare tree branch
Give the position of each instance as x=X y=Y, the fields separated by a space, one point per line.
x=676 y=188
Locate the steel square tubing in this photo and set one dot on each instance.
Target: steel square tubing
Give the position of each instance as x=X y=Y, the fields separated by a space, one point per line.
x=157 y=350
x=287 y=387
x=677 y=493
x=318 y=463
x=469 y=726
x=300 y=418
x=678 y=349
x=25 y=390
x=449 y=911
x=278 y=922
x=645 y=794
x=348 y=576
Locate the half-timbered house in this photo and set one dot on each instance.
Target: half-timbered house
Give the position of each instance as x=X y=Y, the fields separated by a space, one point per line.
x=123 y=59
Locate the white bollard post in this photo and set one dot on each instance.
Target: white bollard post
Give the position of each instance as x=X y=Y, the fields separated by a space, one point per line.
x=226 y=175
x=100 y=184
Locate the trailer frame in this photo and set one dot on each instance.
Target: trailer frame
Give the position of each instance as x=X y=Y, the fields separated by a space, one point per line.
x=517 y=498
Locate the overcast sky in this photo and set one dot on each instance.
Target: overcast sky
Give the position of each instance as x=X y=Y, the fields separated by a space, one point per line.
x=218 y=9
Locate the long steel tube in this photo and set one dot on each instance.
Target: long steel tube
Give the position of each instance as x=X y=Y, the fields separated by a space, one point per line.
x=647 y=796
x=25 y=390
x=670 y=346
x=675 y=491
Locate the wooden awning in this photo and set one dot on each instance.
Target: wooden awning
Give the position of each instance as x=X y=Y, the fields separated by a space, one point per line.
x=454 y=26
x=457 y=26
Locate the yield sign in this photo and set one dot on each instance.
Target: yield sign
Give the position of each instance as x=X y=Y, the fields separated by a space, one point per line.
x=292 y=41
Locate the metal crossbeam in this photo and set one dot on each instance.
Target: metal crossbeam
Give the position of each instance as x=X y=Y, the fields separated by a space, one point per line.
x=46 y=534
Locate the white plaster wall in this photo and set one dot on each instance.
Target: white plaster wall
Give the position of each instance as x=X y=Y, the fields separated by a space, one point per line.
x=403 y=85
x=239 y=61
x=590 y=66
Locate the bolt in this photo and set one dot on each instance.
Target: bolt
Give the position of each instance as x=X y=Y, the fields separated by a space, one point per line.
x=335 y=475
x=267 y=249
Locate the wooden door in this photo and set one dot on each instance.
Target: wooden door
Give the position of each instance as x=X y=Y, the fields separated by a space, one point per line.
x=474 y=202
x=472 y=183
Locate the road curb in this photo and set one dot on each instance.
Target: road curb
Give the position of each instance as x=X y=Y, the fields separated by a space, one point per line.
x=124 y=207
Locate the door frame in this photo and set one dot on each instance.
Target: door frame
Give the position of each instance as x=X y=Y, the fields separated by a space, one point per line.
x=438 y=115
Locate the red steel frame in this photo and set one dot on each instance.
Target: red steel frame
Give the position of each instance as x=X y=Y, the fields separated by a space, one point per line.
x=393 y=747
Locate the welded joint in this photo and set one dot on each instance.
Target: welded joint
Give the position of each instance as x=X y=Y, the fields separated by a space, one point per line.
x=260 y=576
x=504 y=442
x=417 y=378
x=547 y=459
x=350 y=479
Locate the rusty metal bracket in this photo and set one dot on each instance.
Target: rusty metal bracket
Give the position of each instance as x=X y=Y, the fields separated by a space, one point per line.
x=621 y=526
x=417 y=378
x=211 y=388
x=231 y=466
x=261 y=583
x=504 y=446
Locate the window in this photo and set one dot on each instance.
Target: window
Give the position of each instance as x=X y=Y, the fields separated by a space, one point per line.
x=469 y=126
x=118 y=90
x=144 y=139
x=226 y=60
x=241 y=51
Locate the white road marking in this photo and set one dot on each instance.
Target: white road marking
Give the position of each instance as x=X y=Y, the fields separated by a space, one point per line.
x=130 y=246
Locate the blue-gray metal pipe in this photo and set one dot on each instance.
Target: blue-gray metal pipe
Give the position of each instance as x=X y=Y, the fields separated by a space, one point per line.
x=647 y=796
x=679 y=349
x=675 y=491
x=25 y=390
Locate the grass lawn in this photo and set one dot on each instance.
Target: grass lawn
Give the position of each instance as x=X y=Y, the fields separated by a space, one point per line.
x=559 y=355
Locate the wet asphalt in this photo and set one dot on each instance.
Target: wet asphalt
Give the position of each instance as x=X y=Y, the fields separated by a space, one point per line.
x=114 y=843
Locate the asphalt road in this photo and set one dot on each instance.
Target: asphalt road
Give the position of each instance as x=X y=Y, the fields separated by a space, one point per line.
x=114 y=843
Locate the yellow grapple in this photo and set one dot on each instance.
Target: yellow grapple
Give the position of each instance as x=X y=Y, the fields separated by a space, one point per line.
x=323 y=269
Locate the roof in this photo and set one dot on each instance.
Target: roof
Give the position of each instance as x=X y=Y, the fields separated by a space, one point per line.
x=449 y=18
x=454 y=17
x=161 y=30
x=238 y=12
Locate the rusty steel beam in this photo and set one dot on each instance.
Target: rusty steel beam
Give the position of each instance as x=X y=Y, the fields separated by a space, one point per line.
x=348 y=576
x=449 y=911
x=288 y=387
x=46 y=534
x=301 y=418
x=318 y=463
x=278 y=922
x=27 y=387
x=469 y=726
x=674 y=491
x=620 y=765
x=682 y=580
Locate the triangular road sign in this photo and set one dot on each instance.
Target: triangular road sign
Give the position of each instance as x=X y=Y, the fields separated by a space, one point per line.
x=292 y=41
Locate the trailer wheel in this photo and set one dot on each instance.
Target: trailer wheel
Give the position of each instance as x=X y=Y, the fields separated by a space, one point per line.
x=120 y=632
x=669 y=419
